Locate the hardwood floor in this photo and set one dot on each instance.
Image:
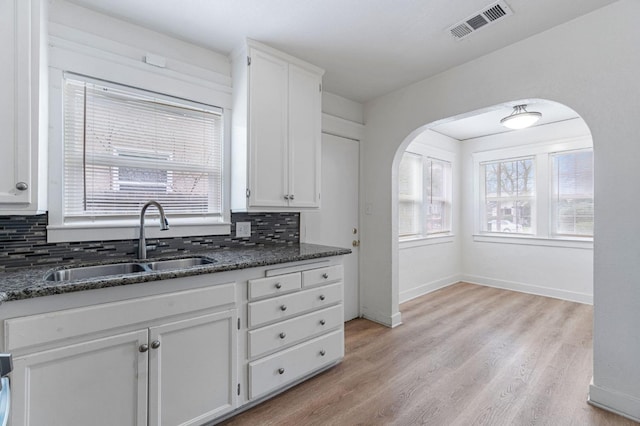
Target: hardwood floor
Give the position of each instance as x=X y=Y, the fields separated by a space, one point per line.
x=465 y=355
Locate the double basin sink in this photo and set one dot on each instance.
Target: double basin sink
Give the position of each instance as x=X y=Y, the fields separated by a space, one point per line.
x=88 y=272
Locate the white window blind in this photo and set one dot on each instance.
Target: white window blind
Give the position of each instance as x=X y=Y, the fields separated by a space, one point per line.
x=123 y=147
x=410 y=194
x=437 y=203
x=572 y=193
x=424 y=196
x=509 y=195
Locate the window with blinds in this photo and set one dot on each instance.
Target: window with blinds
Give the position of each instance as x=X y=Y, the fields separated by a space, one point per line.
x=572 y=193
x=124 y=146
x=509 y=195
x=424 y=196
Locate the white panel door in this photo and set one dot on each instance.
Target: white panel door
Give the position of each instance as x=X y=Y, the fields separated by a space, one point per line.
x=335 y=222
x=304 y=137
x=268 y=88
x=192 y=369
x=102 y=382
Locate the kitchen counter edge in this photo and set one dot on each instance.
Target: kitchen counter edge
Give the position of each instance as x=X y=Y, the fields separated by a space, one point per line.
x=27 y=283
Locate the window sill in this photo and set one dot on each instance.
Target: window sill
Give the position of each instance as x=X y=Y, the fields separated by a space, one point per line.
x=130 y=230
x=426 y=241
x=577 y=243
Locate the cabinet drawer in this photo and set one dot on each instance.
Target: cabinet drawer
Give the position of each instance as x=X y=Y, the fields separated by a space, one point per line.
x=274 y=371
x=282 y=307
x=271 y=286
x=285 y=333
x=322 y=275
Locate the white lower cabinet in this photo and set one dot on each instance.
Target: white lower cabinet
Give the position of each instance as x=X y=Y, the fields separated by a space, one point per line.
x=101 y=382
x=189 y=373
x=191 y=376
x=179 y=369
x=294 y=335
x=150 y=355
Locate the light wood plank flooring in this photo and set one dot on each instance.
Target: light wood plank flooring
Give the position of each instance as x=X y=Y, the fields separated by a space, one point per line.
x=465 y=355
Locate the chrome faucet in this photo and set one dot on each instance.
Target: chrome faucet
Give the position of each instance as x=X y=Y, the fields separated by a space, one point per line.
x=164 y=225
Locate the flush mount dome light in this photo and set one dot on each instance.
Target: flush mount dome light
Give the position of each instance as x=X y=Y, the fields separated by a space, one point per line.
x=520 y=118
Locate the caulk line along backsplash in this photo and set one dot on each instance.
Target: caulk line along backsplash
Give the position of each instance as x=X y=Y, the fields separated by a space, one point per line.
x=23 y=240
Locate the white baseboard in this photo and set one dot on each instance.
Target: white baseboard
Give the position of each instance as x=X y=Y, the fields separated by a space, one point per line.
x=429 y=287
x=616 y=402
x=529 y=288
x=386 y=320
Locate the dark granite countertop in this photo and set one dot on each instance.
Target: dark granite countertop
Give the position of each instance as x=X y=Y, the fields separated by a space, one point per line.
x=27 y=283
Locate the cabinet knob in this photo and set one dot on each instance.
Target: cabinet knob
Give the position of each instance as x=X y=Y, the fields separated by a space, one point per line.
x=322 y=297
x=322 y=322
x=283 y=335
x=22 y=186
x=325 y=275
x=143 y=347
x=286 y=197
x=155 y=344
x=322 y=352
x=278 y=286
x=283 y=308
x=291 y=197
x=280 y=370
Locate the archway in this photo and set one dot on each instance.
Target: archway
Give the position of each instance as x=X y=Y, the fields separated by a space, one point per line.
x=548 y=230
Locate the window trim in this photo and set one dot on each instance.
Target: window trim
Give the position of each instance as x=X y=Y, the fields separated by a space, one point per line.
x=61 y=229
x=541 y=151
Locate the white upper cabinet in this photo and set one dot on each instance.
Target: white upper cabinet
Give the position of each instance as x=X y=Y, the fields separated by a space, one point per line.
x=276 y=131
x=22 y=107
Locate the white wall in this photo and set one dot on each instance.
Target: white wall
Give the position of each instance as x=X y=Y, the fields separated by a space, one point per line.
x=338 y=106
x=72 y=22
x=590 y=64
x=553 y=268
x=428 y=264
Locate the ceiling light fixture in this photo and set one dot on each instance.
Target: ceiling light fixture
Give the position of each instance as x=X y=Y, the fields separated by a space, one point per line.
x=520 y=118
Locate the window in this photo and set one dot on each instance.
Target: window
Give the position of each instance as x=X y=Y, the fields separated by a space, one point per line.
x=542 y=190
x=572 y=193
x=424 y=196
x=509 y=195
x=124 y=146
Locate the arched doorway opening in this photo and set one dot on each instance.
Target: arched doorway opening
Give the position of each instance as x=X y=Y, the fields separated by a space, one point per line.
x=519 y=211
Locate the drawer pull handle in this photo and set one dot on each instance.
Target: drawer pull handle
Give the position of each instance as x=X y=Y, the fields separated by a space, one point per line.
x=155 y=344
x=283 y=308
x=278 y=286
x=322 y=297
x=280 y=370
x=283 y=335
x=322 y=322
x=325 y=275
x=322 y=352
x=143 y=347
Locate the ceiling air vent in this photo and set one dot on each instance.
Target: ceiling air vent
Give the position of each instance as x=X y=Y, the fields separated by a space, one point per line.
x=481 y=19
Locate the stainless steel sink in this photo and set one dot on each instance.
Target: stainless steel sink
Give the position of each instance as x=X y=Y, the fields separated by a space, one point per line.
x=87 y=272
x=95 y=271
x=189 y=262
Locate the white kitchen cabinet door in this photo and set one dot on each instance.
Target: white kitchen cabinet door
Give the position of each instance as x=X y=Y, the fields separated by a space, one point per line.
x=193 y=370
x=20 y=162
x=101 y=382
x=268 y=130
x=305 y=103
x=277 y=125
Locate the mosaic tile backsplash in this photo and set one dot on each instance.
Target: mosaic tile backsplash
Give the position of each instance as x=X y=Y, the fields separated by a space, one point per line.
x=23 y=240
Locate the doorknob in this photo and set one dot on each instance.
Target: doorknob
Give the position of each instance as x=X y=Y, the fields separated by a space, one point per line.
x=355 y=243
